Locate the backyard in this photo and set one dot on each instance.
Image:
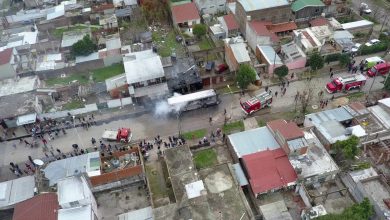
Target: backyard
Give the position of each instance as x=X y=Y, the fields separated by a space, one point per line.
x=166 y=42
x=81 y=78
x=58 y=32
x=233 y=127
x=74 y=104
x=100 y=75
x=205 y=158
x=195 y=134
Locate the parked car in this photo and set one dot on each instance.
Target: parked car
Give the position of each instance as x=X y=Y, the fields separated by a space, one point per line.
x=221 y=68
x=372 y=42
x=209 y=65
x=355 y=47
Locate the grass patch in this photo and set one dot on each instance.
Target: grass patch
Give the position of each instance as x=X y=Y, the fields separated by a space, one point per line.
x=225 y=89
x=58 y=32
x=260 y=122
x=158 y=189
x=355 y=95
x=205 y=158
x=204 y=44
x=81 y=78
x=74 y=104
x=166 y=42
x=370 y=19
x=100 y=75
x=195 y=134
x=233 y=127
x=361 y=166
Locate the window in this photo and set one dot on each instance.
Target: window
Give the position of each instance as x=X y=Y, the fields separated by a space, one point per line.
x=75 y=203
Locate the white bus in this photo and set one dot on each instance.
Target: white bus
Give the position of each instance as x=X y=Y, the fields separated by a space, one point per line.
x=194 y=100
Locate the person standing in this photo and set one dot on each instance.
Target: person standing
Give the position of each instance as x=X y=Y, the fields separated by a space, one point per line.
x=276 y=94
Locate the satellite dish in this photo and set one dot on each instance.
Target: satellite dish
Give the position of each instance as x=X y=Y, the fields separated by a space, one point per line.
x=38 y=162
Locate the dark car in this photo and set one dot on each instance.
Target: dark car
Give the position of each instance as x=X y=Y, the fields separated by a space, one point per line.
x=221 y=68
x=209 y=65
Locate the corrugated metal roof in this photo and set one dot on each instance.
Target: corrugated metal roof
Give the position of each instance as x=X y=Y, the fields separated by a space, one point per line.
x=240 y=52
x=40 y=207
x=242 y=180
x=270 y=54
x=81 y=212
x=356 y=24
x=253 y=5
x=297 y=144
x=142 y=66
x=17 y=190
x=339 y=114
x=300 y=4
x=252 y=141
x=342 y=35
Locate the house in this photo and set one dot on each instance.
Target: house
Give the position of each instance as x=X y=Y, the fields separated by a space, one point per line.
x=75 y=199
x=268 y=171
x=319 y=21
x=363 y=26
x=217 y=32
x=108 y=21
x=286 y=134
x=307 y=9
x=262 y=10
x=236 y=53
x=267 y=33
x=71 y=37
x=7 y=61
x=230 y=25
x=125 y=3
x=211 y=6
x=15 y=191
x=185 y=15
x=43 y=206
x=369 y=184
x=293 y=56
x=343 y=40
x=145 y=76
x=381 y=111
x=267 y=55
x=334 y=125
x=306 y=40
x=50 y=62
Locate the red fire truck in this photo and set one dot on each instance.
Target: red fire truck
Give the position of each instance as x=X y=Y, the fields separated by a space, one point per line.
x=256 y=103
x=381 y=68
x=345 y=83
x=121 y=135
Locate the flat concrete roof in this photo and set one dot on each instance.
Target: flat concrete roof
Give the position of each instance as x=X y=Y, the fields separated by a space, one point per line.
x=21 y=85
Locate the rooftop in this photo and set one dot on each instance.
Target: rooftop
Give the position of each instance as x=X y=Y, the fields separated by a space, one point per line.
x=239 y=50
x=282 y=27
x=15 y=191
x=20 y=85
x=260 y=27
x=269 y=170
x=71 y=189
x=71 y=37
x=289 y=130
x=5 y=56
x=307 y=38
x=252 y=141
x=86 y=163
x=231 y=22
x=320 y=21
x=300 y=4
x=253 y=5
x=140 y=214
x=292 y=52
x=39 y=207
x=275 y=210
x=270 y=54
x=17 y=104
x=185 y=12
x=342 y=35
x=317 y=160
x=142 y=66
x=356 y=24
x=81 y=212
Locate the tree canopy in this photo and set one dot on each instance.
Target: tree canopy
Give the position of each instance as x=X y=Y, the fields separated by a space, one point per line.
x=316 y=61
x=246 y=75
x=348 y=147
x=281 y=71
x=360 y=211
x=344 y=59
x=83 y=47
x=199 y=30
x=155 y=10
x=387 y=83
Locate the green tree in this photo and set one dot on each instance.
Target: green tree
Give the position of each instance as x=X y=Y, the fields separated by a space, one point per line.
x=199 y=30
x=246 y=75
x=155 y=10
x=387 y=82
x=348 y=147
x=83 y=47
x=316 y=61
x=281 y=71
x=360 y=211
x=344 y=59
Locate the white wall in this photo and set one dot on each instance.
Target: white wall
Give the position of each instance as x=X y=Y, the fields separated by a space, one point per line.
x=254 y=40
x=210 y=6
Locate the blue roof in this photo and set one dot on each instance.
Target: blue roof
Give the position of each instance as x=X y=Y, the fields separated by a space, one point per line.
x=242 y=180
x=339 y=114
x=252 y=141
x=253 y=5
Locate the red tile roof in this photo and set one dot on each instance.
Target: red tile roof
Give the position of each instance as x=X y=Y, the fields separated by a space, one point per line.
x=40 y=207
x=319 y=22
x=282 y=27
x=260 y=27
x=289 y=130
x=231 y=22
x=185 y=12
x=269 y=170
x=5 y=56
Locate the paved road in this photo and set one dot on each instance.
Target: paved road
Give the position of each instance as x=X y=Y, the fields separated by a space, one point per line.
x=381 y=14
x=149 y=125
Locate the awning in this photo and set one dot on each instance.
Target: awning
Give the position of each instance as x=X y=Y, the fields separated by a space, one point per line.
x=26 y=119
x=240 y=175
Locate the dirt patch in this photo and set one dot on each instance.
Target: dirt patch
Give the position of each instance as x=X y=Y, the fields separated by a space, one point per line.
x=218 y=182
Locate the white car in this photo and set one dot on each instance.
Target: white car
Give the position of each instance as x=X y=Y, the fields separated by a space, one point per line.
x=372 y=42
x=355 y=47
x=364 y=8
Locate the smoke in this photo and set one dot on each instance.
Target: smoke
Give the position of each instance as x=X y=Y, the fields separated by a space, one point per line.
x=163 y=109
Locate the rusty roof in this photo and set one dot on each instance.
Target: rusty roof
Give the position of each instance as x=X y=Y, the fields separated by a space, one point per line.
x=289 y=130
x=40 y=207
